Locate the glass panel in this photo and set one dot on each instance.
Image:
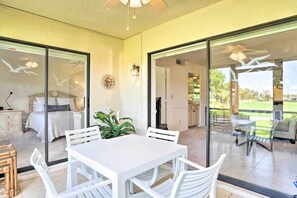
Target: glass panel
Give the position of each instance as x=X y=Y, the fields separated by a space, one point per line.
x=289 y=83
x=66 y=86
x=22 y=69
x=252 y=90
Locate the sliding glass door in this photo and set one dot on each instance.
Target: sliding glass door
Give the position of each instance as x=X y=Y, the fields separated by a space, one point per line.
x=22 y=69
x=66 y=92
x=44 y=92
x=178 y=96
x=253 y=106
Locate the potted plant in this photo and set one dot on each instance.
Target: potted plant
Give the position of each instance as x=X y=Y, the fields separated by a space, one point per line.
x=112 y=126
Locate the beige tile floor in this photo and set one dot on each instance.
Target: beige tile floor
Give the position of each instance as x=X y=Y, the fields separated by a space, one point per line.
x=31 y=186
x=261 y=167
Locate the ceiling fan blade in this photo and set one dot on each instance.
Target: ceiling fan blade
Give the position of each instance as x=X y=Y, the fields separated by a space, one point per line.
x=256 y=51
x=250 y=53
x=158 y=4
x=111 y=3
x=145 y=1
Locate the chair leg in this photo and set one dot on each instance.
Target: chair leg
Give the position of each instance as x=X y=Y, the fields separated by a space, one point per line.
x=249 y=147
x=71 y=174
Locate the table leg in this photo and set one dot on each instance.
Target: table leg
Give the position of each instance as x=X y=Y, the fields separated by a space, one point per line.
x=118 y=188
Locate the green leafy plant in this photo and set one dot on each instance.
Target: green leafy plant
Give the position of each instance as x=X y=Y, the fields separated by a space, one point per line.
x=293 y=117
x=111 y=126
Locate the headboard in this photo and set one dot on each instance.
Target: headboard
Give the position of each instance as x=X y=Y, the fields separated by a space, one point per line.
x=53 y=94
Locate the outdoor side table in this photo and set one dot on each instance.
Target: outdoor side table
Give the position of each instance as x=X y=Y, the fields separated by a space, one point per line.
x=5 y=181
x=8 y=158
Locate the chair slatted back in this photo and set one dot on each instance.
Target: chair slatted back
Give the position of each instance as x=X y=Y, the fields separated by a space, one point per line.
x=197 y=183
x=161 y=134
x=80 y=136
x=38 y=162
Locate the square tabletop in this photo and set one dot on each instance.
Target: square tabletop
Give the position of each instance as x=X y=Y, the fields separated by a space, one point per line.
x=127 y=156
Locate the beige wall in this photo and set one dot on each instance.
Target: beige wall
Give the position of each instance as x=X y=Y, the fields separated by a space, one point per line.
x=177 y=85
x=221 y=17
x=106 y=52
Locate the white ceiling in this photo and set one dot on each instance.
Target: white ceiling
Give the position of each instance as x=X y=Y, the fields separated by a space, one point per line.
x=91 y=14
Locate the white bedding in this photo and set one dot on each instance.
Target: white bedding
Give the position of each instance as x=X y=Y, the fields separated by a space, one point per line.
x=58 y=122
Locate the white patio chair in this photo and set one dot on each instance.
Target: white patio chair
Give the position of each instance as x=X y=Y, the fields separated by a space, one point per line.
x=157 y=173
x=93 y=188
x=186 y=183
x=81 y=136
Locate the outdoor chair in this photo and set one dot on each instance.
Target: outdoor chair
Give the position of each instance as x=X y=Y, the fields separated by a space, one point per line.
x=81 y=136
x=239 y=127
x=157 y=173
x=265 y=142
x=92 y=188
x=185 y=183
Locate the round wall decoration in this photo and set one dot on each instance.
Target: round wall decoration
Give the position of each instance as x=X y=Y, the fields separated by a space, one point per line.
x=108 y=81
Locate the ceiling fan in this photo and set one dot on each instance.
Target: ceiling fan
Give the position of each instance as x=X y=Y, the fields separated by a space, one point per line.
x=157 y=4
x=240 y=52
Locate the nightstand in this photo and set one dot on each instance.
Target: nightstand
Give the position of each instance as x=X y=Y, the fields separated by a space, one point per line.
x=10 y=122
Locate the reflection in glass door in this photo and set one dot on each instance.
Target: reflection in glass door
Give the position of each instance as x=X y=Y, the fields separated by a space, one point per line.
x=22 y=69
x=66 y=93
x=30 y=87
x=253 y=106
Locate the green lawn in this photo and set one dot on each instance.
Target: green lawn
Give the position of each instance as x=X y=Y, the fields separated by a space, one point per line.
x=265 y=119
x=266 y=105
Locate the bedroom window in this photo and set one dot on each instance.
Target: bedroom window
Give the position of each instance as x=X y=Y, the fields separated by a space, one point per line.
x=40 y=98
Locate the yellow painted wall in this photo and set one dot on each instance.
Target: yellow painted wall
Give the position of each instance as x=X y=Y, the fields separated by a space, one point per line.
x=132 y=85
x=224 y=16
x=106 y=52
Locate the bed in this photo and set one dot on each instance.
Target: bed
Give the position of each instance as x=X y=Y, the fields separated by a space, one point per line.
x=62 y=114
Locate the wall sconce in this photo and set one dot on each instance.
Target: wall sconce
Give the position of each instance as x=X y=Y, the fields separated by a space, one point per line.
x=135 y=70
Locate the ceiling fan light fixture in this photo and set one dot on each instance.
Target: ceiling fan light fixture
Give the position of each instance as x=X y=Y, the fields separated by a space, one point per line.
x=31 y=64
x=237 y=56
x=135 y=3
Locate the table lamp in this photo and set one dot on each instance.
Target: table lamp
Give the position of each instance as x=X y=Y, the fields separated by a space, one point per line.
x=7 y=102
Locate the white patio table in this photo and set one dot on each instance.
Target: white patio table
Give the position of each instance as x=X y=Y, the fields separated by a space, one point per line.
x=122 y=158
x=242 y=123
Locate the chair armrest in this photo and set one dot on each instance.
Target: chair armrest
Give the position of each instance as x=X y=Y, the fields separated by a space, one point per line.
x=145 y=187
x=292 y=127
x=191 y=163
x=72 y=192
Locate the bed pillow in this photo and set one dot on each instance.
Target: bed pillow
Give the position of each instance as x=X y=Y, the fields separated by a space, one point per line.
x=52 y=108
x=38 y=107
x=65 y=101
x=51 y=101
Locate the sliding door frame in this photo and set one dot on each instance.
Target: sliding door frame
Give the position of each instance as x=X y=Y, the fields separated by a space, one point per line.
x=87 y=91
x=231 y=180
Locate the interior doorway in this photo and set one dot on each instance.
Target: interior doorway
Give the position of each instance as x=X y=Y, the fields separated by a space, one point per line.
x=178 y=96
